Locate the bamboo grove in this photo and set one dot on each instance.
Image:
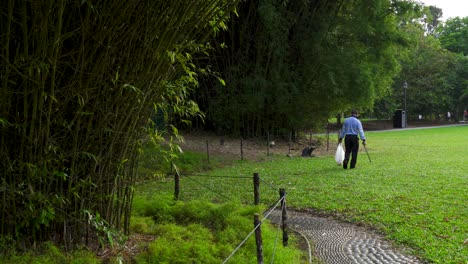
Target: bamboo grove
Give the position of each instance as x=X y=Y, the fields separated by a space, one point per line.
x=79 y=82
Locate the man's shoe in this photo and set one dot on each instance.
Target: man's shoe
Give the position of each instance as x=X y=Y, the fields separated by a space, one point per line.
x=345 y=164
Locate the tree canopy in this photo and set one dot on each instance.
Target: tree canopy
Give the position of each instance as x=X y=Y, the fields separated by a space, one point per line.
x=292 y=64
x=453 y=35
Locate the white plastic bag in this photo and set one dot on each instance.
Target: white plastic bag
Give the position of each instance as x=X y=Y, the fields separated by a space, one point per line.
x=339 y=156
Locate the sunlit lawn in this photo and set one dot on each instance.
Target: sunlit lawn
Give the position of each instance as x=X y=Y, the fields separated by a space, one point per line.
x=415 y=190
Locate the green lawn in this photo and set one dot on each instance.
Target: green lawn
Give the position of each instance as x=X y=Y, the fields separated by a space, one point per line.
x=414 y=190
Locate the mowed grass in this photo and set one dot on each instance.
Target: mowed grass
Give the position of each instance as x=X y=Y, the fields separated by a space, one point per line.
x=415 y=190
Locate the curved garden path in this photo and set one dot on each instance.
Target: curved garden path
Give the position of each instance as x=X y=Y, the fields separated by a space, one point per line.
x=335 y=242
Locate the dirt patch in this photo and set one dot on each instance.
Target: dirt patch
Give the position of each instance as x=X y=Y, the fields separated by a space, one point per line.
x=254 y=149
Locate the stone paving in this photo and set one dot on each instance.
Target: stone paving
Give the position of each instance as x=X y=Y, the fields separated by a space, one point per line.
x=335 y=242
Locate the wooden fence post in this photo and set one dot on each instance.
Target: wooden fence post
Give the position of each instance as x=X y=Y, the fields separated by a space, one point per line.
x=258 y=238
x=268 y=144
x=289 y=143
x=284 y=216
x=176 y=185
x=256 y=180
x=242 y=149
x=207 y=151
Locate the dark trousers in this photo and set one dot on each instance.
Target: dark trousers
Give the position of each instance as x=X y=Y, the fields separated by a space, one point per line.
x=352 y=148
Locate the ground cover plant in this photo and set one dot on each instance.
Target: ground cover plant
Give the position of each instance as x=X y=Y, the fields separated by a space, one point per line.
x=203 y=232
x=414 y=190
x=47 y=253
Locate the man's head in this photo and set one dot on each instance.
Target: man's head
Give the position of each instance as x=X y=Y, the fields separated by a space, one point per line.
x=354 y=112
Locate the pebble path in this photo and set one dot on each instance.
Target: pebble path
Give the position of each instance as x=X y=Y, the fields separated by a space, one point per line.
x=336 y=242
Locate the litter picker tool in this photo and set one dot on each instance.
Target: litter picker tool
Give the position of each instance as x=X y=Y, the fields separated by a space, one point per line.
x=367 y=152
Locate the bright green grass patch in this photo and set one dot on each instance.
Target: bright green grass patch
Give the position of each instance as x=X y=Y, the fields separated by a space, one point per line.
x=203 y=232
x=414 y=190
x=47 y=253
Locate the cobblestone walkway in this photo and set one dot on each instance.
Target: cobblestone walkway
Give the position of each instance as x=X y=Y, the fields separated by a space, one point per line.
x=336 y=242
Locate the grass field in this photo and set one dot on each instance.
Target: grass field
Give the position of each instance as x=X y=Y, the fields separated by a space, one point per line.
x=414 y=190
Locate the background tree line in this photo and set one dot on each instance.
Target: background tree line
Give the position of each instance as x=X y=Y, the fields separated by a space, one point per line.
x=435 y=69
x=290 y=65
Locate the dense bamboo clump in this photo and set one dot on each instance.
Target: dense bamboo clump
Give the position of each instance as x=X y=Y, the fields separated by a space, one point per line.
x=79 y=81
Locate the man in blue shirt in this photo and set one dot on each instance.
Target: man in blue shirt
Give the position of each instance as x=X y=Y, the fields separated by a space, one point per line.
x=352 y=127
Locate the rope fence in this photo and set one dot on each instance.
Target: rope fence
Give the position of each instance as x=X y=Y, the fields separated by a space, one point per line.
x=257 y=225
x=282 y=225
x=208 y=182
x=177 y=188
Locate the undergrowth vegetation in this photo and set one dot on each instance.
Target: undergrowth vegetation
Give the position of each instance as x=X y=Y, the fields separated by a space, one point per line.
x=47 y=253
x=203 y=232
x=183 y=232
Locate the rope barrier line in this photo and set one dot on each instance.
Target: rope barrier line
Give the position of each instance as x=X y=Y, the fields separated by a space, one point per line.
x=222 y=195
x=247 y=237
x=215 y=176
x=276 y=242
x=155 y=180
x=269 y=208
x=280 y=136
x=276 y=205
x=242 y=243
x=269 y=185
x=243 y=187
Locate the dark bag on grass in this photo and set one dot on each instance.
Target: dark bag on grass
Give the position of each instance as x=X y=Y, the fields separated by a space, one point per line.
x=307 y=152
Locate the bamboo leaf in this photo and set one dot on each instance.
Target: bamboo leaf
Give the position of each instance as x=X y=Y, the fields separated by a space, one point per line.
x=133 y=88
x=223 y=83
x=4 y=122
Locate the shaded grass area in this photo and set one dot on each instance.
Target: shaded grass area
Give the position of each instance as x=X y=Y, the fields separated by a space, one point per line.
x=203 y=232
x=414 y=191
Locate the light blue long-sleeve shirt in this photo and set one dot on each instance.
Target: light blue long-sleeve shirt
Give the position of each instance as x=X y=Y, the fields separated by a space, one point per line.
x=352 y=126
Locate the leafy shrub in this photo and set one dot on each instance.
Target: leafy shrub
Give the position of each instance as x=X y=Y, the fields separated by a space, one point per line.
x=181 y=244
x=142 y=225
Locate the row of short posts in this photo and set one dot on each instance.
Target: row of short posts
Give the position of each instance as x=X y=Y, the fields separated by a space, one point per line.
x=257 y=222
x=269 y=145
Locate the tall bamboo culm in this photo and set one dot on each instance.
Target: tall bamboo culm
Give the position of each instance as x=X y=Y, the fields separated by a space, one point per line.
x=79 y=80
